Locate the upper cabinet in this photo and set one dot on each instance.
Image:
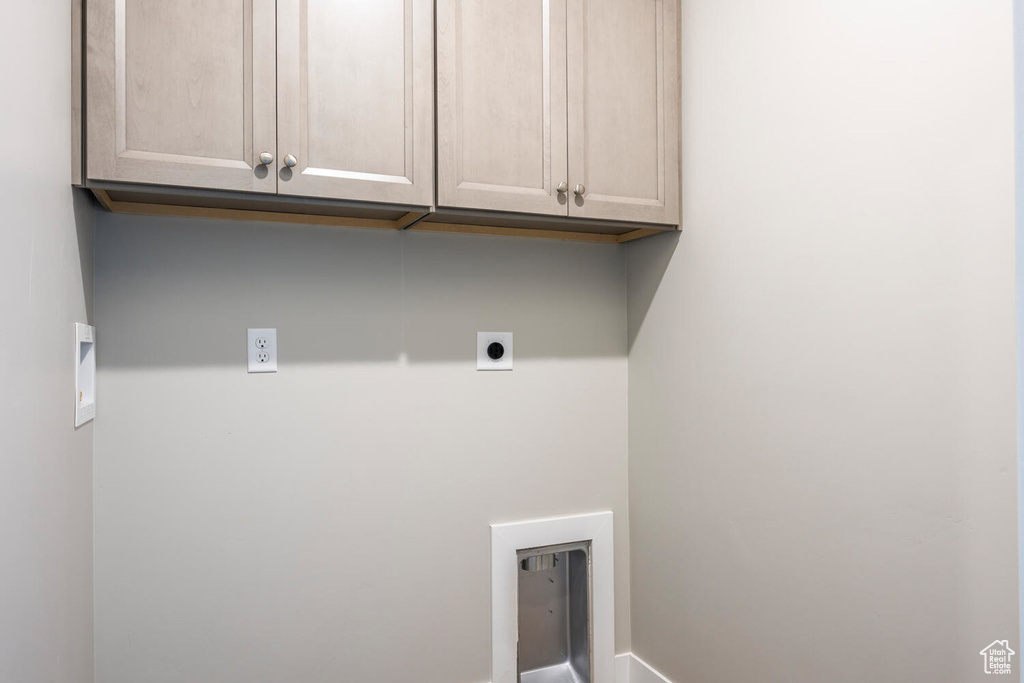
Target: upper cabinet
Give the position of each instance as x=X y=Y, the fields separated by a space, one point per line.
x=559 y=107
x=310 y=98
x=182 y=93
x=554 y=118
x=501 y=127
x=355 y=86
x=624 y=110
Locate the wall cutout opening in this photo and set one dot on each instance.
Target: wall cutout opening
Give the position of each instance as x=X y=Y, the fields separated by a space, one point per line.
x=554 y=631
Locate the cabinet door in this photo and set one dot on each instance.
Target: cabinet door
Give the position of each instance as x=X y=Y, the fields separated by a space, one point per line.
x=624 y=110
x=181 y=93
x=355 y=99
x=501 y=104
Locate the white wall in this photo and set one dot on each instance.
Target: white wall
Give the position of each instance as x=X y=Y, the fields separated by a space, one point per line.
x=45 y=271
x=1018 y=73
x=331 y=522
x=822 y=366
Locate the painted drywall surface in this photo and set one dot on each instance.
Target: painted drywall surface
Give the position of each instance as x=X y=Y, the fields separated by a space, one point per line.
x=1018 y=73
x=331 y=521
x=45 y=271
x=822 y=366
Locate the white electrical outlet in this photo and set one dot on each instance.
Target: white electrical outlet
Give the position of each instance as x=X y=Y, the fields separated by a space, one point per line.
x=262 y=349
x=493 y=350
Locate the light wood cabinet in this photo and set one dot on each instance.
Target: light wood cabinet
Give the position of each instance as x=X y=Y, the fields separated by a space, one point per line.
x=554 y=118
x=181 y=93
x=559 y=107
x=623 y=109
x=355 y=99
x=501 y=105
x=337 y=94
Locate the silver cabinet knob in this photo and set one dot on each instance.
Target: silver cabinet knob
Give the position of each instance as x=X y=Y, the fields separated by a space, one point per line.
x=562 y=187
x=266 y=158
x=580 y=190
x=290 y=160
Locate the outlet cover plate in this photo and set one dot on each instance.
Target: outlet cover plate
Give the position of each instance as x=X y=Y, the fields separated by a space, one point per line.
x=262 y=349
x=484 y=361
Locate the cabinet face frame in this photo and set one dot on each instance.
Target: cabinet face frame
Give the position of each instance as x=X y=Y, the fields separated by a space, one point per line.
x=109 y=157
x=608 y=205
x=416 y=184
x=454 y=188
x=77 y=91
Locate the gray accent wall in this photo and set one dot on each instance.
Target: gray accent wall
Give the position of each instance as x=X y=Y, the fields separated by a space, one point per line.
x=822 y=368
x=1018 y=79
x=331 y=522
x=46 y=616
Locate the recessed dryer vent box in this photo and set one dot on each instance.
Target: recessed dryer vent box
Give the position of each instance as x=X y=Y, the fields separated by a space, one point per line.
x=553 y=600
x=554 y=614
x=85 y=373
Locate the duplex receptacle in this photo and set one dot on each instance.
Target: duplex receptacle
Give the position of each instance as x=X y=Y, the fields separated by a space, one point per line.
x=261 y=345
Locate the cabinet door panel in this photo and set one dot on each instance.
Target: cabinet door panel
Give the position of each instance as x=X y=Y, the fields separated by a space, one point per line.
x=355 y=99
x=501 y=104
x=624 y=109
x=182 y=93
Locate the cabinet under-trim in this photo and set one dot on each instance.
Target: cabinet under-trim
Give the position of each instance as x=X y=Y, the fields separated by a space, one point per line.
x=224 y=205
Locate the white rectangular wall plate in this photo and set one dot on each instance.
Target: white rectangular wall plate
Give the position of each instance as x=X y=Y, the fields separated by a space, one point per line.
x=506 y=539
x=261 y=345
x=85 y=373
x=493 y=350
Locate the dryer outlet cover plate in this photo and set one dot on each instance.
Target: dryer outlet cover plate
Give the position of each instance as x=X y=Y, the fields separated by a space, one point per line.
x=484 y=357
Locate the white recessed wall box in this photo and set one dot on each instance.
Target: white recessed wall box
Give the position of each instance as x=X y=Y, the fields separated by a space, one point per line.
x=493 y=350
x=553 y=600
x=85 y=373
